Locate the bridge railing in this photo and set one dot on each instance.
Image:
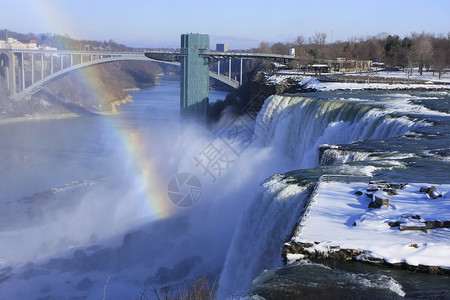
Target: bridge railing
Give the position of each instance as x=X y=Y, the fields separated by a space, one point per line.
x=346 y=178
x=71 y=52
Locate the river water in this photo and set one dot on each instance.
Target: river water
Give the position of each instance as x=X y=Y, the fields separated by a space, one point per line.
x=85 y=208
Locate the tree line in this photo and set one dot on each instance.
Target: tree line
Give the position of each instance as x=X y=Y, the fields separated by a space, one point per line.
x=418 y=50
x=63 y=42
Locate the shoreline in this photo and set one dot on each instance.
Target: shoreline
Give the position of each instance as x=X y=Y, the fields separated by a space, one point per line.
x=32 y=118
x=312 y=85
x=28 y=118
x=294 y=251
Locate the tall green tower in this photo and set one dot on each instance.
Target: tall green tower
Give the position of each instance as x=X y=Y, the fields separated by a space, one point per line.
x=194 y=89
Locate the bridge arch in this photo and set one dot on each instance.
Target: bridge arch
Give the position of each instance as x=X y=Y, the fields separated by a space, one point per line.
x=7 y=71
x=39 y=84
x=4 y=65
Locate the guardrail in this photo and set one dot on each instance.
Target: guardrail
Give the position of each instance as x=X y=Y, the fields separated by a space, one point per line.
x=347 y=178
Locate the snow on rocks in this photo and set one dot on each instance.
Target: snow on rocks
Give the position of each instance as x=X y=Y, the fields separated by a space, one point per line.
x=330 y=86
x=411 y=232
x=310 y=82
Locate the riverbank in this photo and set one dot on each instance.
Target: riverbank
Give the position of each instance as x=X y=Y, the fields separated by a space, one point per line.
x=98 y=89
x=296 y=82
x=264 y=83
x=40 y=117
x=408 y=230
x=28 y=118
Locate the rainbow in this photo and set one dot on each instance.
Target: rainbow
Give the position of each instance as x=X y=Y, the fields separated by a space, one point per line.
x=156 y=201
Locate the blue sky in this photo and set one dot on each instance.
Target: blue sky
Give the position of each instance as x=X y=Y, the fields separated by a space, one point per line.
x=242 y=24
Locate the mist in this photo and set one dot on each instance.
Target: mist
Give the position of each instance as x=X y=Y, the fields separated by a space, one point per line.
x=94 y=218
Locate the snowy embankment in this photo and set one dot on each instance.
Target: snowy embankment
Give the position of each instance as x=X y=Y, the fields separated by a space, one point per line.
x=309 y=81
x=409 y=232
x=330 y=86
x=426 y=76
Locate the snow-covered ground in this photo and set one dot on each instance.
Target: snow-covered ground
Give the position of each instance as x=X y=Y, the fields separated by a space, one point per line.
x=306 y=80
x=339 y=217
x=330 y=86
x=426 y=76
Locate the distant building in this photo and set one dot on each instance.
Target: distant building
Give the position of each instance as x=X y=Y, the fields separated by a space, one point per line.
x=292 y=52
x=349 y=65
x=47 y=48
x=377 y=65
x=222 y=47
x=319 y=68
x=14 y=44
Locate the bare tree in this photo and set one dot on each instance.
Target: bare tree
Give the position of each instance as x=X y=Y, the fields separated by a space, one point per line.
x=300 y=49
x=317 y=42
x=319 y=38
x=264 y=47
x=299 y=41
x=280 y=48
x=421 y=50
x=441 y=54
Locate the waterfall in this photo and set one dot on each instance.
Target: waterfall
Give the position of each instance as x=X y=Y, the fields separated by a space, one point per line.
x=296 y=127
x=334 y=155
x=260 y=235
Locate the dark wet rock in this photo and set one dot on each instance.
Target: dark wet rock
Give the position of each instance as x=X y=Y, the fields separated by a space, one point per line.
x=437 y=224
x=390 y=191
x=369 y=195
x=353 y=254
x=434 y=224
x=373 y=204
x=378 y=201
x=358 y=193
x=394 y=223
x=399 y=223
x=372 y=189
x=421 y=224
x=424 y=189
x=419 y=268
x=414 y=217
x=389 y=188
x=432 y=192
x=301 y=248
x=397 y=186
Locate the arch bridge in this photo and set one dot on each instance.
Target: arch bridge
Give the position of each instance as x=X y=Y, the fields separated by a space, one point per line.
x=27 y=71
